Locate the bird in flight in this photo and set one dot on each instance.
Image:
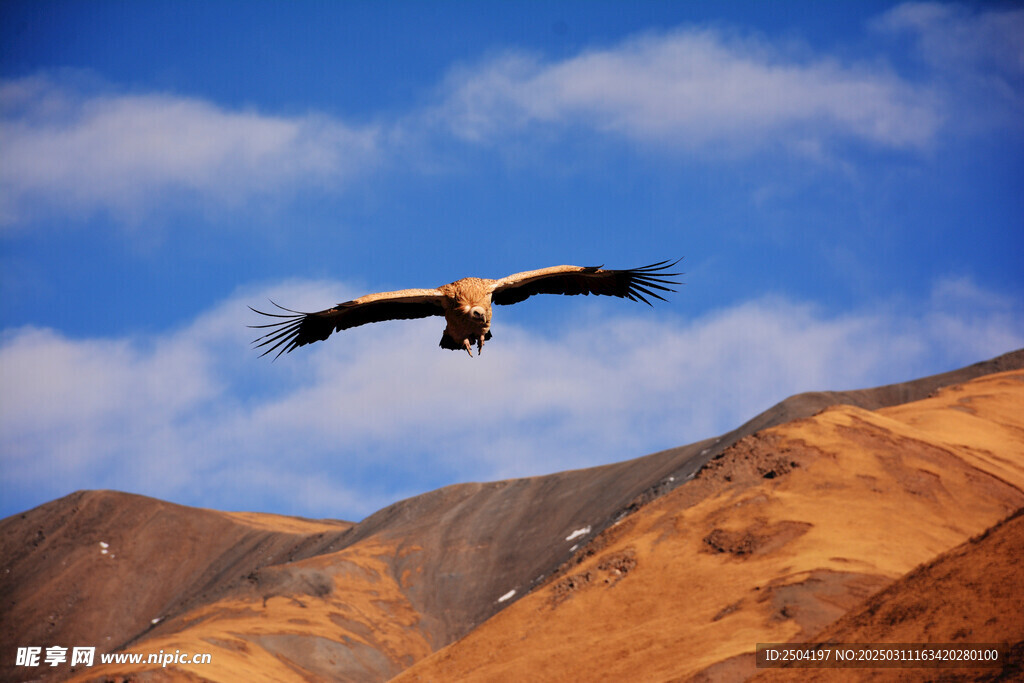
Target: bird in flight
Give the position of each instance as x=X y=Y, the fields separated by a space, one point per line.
x=465 y=304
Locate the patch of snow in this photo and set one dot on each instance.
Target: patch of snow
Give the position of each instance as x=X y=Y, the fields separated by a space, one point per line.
x=508 y=595
x=104 y=544
x=579 y=532
x=156 y=621
x=104 y=551
x=573 y=549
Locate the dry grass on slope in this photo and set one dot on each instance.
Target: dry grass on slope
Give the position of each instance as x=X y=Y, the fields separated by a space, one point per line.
x=782 y=535
x=331 y=617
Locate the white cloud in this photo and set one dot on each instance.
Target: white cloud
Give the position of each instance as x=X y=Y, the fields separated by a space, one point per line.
x=951 y=35
x=694 y=89
x=125 y=153
x=976 y=55
x=342 y=428
x=76 y=149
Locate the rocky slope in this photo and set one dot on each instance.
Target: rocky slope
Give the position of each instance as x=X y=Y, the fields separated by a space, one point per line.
x=971 y=594
x=784 y=533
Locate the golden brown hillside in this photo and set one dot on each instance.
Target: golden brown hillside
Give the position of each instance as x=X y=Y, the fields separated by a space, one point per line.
x=774 y=540
x=971 y=594
x=98 y=567
x=331 y=617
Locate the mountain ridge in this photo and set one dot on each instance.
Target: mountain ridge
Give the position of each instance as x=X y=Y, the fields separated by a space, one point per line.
x=788 y=530
x=449 y=559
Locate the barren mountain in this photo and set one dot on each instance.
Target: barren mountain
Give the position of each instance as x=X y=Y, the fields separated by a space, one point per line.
x=781 y=535
x=664 y=566
x=971 y=594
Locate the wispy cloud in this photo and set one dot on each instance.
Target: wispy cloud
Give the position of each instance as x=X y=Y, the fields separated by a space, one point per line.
x=71 y=148
x=952 y=35
x=355 y=423
x=84 y=151
x=975 y=54
x=694 y=89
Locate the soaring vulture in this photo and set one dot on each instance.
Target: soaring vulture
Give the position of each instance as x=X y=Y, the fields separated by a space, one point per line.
x=465 y=304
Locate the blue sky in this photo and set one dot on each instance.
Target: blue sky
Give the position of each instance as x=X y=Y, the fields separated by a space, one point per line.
x=843 y=180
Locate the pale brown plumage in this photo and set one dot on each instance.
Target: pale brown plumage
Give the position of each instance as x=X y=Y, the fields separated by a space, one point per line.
x=465 y=304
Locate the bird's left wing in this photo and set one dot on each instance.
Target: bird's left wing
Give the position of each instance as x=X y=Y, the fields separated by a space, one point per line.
x=298 y=329
x=632 y=284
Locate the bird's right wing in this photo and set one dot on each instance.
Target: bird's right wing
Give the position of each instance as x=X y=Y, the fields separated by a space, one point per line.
x=298 y=329
x=634 y=283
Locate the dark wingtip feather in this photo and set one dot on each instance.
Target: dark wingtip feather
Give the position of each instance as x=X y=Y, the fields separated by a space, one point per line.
x=283 y=338
x=646 y=279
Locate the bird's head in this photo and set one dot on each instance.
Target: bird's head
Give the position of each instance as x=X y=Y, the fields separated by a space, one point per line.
x=477 y=309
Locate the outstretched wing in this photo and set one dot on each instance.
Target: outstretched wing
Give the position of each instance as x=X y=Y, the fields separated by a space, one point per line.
x=632 y=284
x=298 y=329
